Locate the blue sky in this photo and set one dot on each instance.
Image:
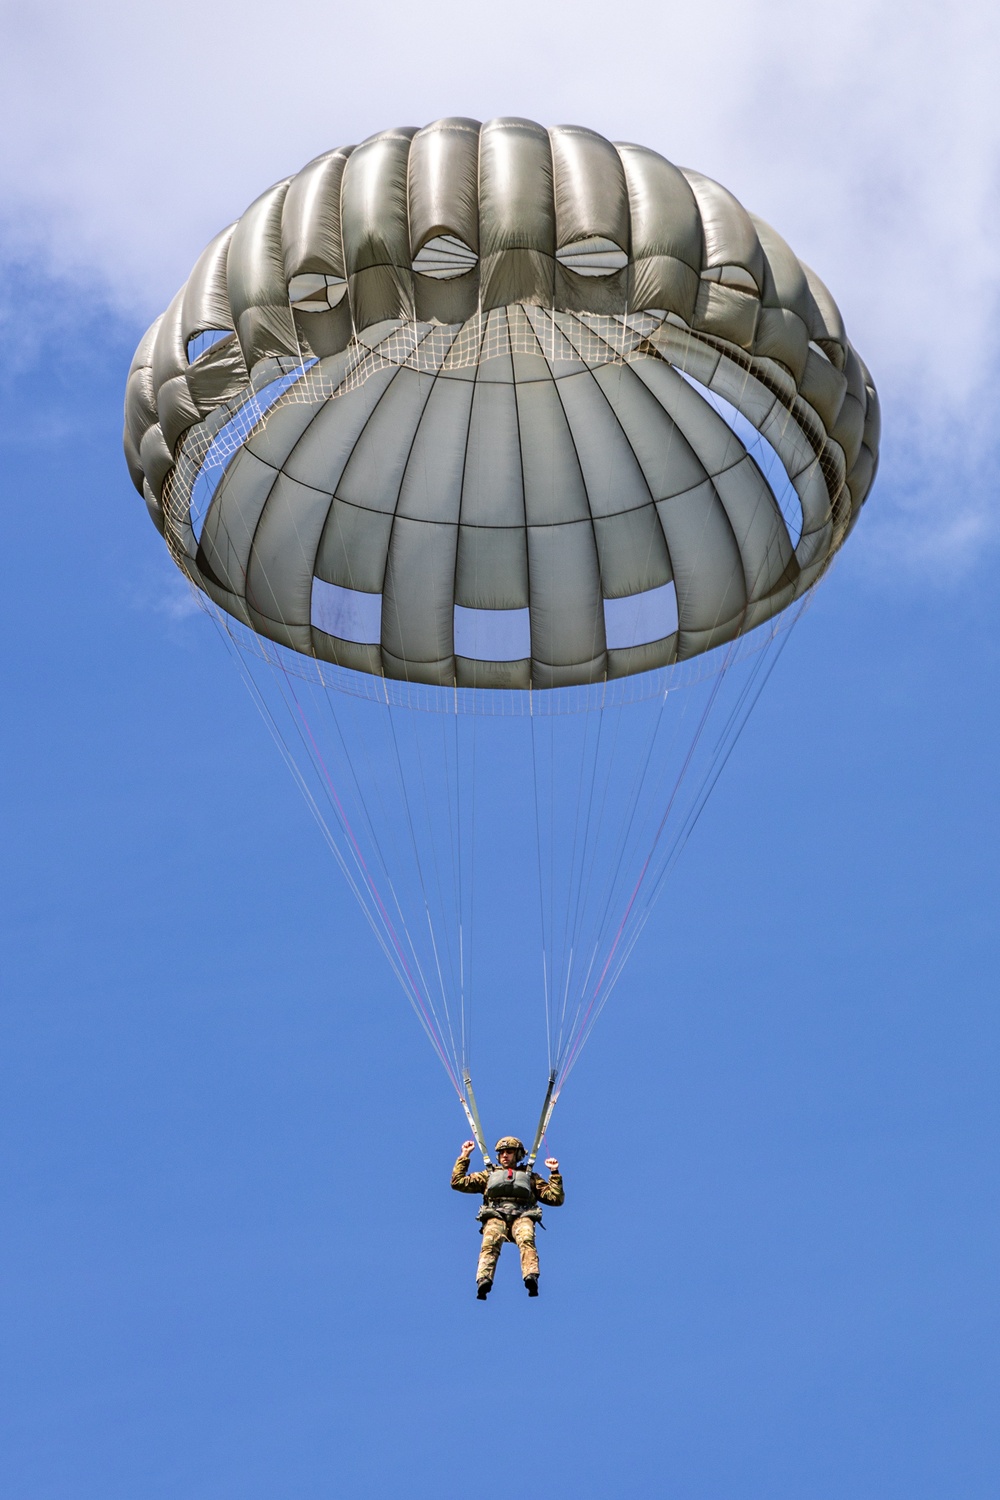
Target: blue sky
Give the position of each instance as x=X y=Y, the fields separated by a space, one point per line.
x=230 y=1265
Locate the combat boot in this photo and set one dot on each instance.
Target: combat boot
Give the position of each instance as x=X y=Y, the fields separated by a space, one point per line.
x=483 y=1289
x=531 y=1285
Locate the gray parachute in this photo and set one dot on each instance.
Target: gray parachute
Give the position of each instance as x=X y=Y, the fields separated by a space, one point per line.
x=499 y=406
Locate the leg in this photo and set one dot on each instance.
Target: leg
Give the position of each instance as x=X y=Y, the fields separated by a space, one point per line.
x=523 y=1233
x=494 y=1234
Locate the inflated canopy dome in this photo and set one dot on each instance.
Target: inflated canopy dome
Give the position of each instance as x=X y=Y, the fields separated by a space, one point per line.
x=499 y=405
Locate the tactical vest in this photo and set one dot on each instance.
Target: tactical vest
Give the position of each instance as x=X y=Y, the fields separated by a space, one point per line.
x=509 y=1195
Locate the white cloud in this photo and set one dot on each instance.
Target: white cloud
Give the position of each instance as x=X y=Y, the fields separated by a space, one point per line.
x=162 y=590
x=867 y=132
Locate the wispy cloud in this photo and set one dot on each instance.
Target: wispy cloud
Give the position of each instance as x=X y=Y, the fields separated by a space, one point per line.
x=163 y=591
x=869 y=135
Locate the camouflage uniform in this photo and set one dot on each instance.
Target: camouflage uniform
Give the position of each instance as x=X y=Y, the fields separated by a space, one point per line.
x=520 y=1230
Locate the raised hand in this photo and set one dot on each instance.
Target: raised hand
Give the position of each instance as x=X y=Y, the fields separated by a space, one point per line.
x=552 y=1163
x=468 y=1147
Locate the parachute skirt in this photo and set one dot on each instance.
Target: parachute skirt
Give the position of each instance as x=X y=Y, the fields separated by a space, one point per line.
x=576 y=498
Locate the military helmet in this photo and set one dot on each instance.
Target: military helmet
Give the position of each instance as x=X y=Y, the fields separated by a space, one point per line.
x=509 y=1143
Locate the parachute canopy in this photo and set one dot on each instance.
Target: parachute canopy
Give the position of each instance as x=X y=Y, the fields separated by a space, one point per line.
x=469 y=412
x=496 y=406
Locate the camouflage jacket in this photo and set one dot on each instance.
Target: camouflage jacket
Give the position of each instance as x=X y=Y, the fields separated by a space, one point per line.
x=548 y=1190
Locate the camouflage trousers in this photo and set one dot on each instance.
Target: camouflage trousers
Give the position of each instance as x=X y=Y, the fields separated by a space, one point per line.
x=495 y=1233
